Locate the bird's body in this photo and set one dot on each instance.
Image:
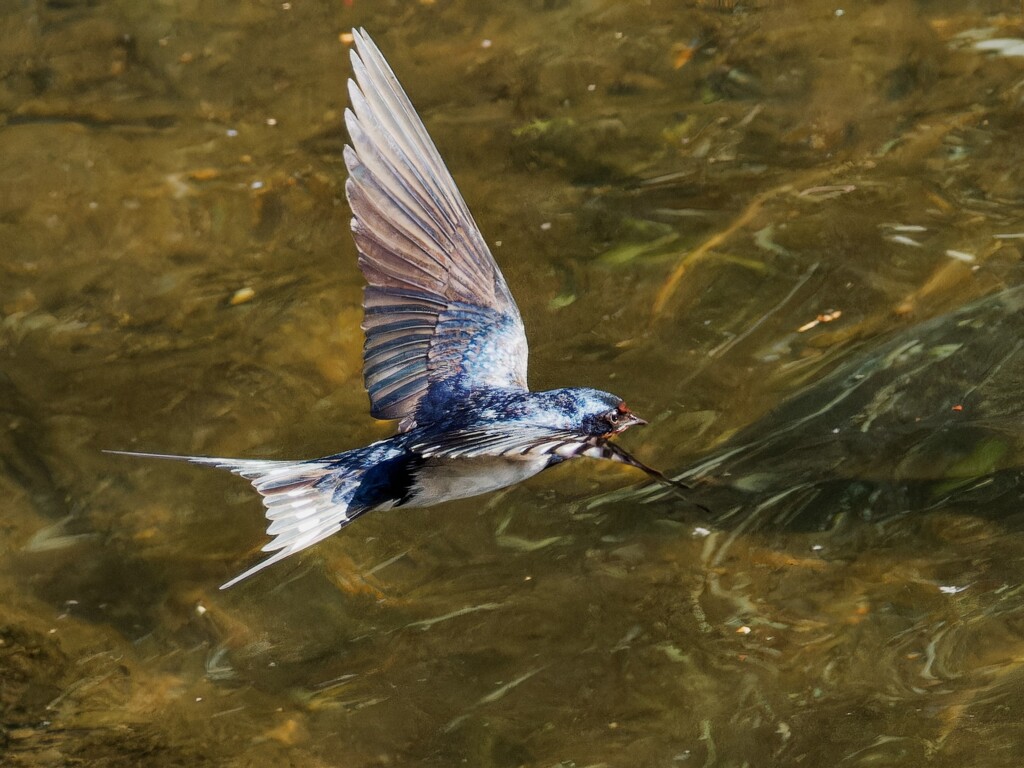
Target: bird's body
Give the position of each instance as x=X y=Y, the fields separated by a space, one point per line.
x=445 y=350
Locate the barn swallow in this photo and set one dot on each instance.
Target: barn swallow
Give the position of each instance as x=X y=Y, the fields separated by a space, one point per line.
x=445 y=351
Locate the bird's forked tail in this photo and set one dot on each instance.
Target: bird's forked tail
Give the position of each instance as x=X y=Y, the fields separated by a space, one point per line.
x=306 y=501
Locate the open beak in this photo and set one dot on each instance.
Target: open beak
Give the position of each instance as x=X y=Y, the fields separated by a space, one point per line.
x=631 y=420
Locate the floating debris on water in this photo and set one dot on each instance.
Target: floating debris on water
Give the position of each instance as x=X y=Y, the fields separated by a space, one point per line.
x=825 y=317
x=1006 y=46
x=242 y=296
x=904 y=240
x=961 y=256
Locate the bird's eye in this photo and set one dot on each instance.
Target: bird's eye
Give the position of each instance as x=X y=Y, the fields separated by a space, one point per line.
x=613 y=417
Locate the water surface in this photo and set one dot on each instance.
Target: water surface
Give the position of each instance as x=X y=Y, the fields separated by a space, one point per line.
x=789 y=234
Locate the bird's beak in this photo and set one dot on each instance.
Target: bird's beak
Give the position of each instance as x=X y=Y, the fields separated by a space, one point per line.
x=632 y=420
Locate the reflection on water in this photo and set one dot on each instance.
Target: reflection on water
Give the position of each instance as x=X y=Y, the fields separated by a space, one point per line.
x=789 y=232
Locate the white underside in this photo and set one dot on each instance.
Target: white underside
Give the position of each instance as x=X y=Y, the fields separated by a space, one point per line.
x=444 y=479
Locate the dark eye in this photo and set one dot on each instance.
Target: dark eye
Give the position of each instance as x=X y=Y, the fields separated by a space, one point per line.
x=613 y=417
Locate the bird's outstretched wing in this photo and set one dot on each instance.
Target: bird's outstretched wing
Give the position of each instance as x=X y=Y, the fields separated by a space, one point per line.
x=510 y=440
x=436 y=307
x=522 y=440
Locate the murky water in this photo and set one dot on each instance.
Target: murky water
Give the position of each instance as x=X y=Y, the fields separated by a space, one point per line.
x=790 y=234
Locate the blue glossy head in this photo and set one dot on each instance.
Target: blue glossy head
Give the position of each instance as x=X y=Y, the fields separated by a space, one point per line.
x=590 y=411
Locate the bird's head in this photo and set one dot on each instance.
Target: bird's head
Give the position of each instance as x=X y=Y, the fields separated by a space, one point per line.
x=605 y=415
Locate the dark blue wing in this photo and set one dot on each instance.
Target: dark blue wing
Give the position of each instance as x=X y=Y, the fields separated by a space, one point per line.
x=523 y=440
x=436 y=306
x=511 y=440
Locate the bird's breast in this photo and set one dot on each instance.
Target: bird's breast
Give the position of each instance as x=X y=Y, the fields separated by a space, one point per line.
x=444 y=479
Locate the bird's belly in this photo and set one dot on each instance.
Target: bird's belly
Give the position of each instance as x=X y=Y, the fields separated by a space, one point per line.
x=444 y=479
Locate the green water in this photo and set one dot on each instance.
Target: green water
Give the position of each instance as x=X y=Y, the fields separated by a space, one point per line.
x=762 y=224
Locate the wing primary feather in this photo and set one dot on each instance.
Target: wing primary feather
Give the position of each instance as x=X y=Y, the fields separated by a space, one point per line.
x=385 y=157
x=423 y=257
x=394 y=216
x=372 y=65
